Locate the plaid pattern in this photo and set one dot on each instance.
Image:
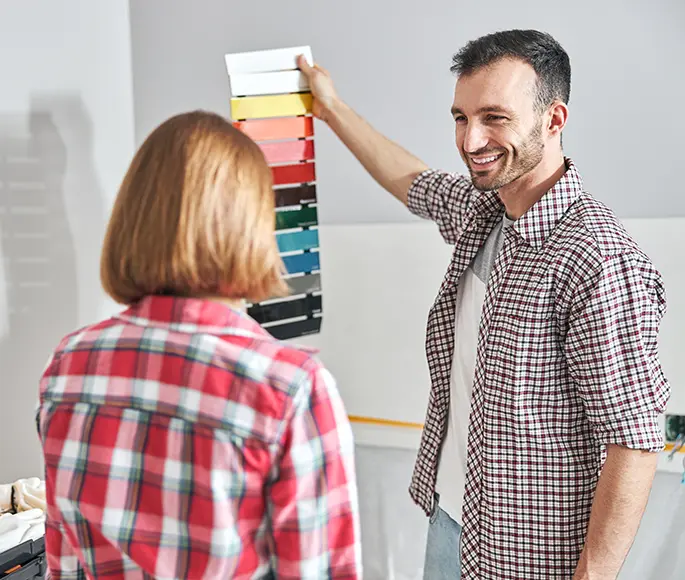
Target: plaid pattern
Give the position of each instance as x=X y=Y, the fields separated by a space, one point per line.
x=182 y=441
x=566 y=363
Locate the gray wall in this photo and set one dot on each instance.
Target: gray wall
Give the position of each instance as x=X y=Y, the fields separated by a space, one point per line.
x=392 y=64
x=66 y=138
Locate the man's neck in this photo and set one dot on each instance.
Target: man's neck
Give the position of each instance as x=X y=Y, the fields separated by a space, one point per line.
x=518 y=197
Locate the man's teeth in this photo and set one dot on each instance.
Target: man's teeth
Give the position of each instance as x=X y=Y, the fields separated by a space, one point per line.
x=485 y=159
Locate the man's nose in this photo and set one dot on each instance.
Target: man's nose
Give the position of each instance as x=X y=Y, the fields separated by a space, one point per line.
x=475 y=138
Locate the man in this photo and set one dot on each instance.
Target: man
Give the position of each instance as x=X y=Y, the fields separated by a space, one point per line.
x=541 y=437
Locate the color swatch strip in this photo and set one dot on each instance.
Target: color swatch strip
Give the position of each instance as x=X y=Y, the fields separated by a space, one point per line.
x=261 y=61
x=272 y=104
x=288 y=151
x=301 y=194
x=302 y=263
x=273 y=129
x=293 y=329
x=309 y=284
x=291 y=174
x=268 y=83
x=304 y=217
x=286 y=310
x=300 y=240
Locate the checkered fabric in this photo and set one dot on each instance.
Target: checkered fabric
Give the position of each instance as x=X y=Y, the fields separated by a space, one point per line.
x=182 y=441
x=566 y=363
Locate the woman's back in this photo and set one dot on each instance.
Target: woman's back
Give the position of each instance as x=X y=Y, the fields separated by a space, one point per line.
x=182 y=441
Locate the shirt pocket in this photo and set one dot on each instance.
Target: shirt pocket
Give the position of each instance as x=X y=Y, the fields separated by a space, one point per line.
x=524 y=330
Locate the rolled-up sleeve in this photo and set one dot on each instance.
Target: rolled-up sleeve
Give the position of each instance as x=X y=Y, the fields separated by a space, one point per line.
x=441 y=197
x=612 y=352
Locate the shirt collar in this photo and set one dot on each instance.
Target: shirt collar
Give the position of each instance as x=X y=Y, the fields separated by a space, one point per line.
x=537 y=223
x=485 y=205
x=194 y=315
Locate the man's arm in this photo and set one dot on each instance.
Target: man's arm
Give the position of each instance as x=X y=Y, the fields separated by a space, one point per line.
x=612 y=351
x=435 y=195
x=619 y=503
x=392 y=166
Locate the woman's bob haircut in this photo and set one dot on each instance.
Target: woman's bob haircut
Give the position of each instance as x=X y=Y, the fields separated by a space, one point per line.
x=194 y=217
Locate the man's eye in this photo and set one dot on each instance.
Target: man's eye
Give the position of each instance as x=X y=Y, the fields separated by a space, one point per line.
x=496 y=118
x=459 y=119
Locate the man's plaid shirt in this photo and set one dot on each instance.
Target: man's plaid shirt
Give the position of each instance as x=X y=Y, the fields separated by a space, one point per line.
x=567 y=362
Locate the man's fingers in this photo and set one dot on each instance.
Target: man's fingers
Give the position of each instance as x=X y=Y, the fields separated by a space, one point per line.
x=320 y=68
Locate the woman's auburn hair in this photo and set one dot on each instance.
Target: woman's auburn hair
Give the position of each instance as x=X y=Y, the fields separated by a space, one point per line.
x=194 y=217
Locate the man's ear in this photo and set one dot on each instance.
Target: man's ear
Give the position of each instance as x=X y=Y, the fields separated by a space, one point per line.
x=558 y=115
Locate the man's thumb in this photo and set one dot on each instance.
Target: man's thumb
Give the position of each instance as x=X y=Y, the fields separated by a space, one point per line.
x=304 y=65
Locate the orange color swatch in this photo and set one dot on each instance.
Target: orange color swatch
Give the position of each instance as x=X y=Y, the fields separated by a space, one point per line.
x=271 y=129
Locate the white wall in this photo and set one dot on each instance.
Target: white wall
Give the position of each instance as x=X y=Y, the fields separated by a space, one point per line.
x=390 y=60
x=66 y=137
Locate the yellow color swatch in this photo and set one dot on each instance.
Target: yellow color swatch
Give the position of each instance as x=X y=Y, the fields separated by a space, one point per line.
x=271 y=106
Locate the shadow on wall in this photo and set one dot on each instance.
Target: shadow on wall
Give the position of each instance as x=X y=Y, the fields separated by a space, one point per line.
x=49 y=201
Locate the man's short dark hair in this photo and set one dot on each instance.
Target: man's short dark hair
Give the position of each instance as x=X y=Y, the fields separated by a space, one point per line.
x=538 y=49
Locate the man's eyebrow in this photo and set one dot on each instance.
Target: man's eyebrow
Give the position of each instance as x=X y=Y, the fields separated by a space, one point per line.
x=486 y=109
x=496 y=109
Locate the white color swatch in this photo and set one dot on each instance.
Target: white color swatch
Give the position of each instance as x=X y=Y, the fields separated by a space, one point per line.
x=262 y=61
x=271 y=83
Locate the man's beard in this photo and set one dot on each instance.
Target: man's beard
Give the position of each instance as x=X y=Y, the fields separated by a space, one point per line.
x=524 y=159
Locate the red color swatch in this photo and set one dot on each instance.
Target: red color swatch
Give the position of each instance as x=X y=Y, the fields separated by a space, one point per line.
x=300 y=173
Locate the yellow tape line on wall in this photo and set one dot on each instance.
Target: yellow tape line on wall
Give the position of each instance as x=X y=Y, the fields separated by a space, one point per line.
x=384 y=422
x=409 y=425
x=669 y=448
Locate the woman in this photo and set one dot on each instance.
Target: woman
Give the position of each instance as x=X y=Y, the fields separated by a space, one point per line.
x=180 y=439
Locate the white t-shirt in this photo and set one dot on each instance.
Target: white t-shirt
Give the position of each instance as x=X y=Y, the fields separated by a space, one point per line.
x=451 y=478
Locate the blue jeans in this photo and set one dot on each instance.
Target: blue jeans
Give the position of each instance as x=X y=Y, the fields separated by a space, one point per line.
x=443 y=547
